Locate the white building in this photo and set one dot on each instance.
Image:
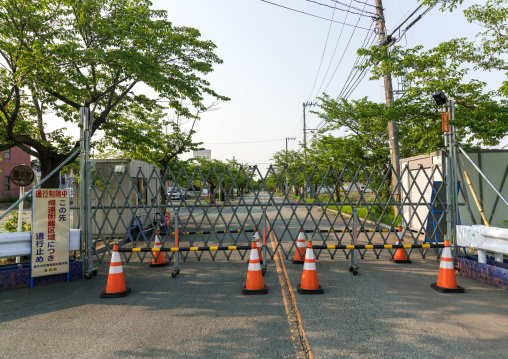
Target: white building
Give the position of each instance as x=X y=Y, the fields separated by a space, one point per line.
x=207 y=154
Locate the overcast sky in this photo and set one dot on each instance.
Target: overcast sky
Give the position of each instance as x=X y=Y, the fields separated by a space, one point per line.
x=272 y=56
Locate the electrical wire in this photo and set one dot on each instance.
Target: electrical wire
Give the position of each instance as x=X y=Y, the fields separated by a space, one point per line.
x=316 y=16
x=340 y=61
x=237 y=143
x=358 y=9
x=333 y=55
x=322 y=56
x=338 y=2
x=364 y=3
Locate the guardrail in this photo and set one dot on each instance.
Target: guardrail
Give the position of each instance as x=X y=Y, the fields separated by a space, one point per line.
x=19 y=244
x=484 y=239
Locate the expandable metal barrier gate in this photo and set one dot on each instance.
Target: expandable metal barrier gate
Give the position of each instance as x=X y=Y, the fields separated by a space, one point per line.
x=277 y=205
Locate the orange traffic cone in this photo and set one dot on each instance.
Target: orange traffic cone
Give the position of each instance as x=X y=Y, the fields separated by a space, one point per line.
x=400 y=255
x=300 y=249
x=115 y=288
x=255 y=284
x=446 y=282
x=258 y=244
x=309 y=283
x=159 y=259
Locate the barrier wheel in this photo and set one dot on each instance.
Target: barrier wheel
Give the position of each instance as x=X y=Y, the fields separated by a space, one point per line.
x=351 y=269
x=94 y=272
x=355 y=271
x=174 y=274
x=263 y=271
x=88 y=276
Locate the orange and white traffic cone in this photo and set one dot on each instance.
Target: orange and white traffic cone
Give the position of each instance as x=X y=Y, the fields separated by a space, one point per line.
x=300 y=249
x=258 y=244
x=115 y=288
x=400 y=254
x=309 y=283
x=446 y=282
x=255 y=284
x=159 y=259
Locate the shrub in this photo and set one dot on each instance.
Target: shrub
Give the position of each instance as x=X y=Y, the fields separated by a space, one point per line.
x=11 y=225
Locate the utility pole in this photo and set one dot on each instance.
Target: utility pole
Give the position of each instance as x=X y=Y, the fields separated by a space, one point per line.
x=305 y=104
x=287 y=139
x=393 y=132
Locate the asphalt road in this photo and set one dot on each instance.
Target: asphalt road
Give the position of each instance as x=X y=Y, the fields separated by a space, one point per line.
x=387 y=311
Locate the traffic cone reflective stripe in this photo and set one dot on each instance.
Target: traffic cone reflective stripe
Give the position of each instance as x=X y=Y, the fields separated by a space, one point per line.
x=255 y=284
x=400 y=254
x=300 y=249
x=115 y=286
x=446 y=282
x=159 y=259
x=309 y=283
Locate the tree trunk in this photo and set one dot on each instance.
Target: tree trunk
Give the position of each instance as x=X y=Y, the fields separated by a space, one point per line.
x=48 y=164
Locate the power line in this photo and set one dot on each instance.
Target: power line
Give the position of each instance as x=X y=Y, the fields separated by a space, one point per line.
x=352 y=7
x=333 y=55
x=316 y=16
x=322 y=55
x=237 y=143
x=364 y=3
x=340 y=61
x=348 y=10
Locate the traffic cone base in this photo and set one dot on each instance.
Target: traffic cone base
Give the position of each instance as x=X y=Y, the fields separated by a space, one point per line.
x=295 y=261
x=116 y=295
x=255 y=291
x=159 y=264
x=459 y=289
x=310 y=291
x=400 y=260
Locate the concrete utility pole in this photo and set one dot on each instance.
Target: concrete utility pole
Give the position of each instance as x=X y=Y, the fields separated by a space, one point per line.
x=393 y=132
x=305 y=104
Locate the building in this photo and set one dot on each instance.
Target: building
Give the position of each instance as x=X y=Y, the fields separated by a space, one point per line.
x=420 y=173
x=207 y=154
x=123 y=190
x=10 y=159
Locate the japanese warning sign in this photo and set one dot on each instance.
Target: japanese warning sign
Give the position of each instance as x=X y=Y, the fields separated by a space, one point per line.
x=50 y=232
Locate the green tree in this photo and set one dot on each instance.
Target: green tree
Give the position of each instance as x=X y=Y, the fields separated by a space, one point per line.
x=107 y=55
x=481 y=113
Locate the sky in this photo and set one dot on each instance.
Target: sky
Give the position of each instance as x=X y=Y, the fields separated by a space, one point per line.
x=275 y=59
x=271 y=60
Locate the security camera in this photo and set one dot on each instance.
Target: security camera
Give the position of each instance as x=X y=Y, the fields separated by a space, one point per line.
x=439 y=97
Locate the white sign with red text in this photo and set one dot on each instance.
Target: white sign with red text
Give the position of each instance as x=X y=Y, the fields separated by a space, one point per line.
x=50 y=232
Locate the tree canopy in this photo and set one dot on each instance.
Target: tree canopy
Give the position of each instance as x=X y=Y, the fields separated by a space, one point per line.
x=123 y=59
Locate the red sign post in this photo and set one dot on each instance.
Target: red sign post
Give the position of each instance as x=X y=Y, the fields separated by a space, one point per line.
x=445 y=121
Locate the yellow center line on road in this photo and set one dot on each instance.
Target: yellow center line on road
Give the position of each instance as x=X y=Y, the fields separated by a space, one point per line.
x=294 y=319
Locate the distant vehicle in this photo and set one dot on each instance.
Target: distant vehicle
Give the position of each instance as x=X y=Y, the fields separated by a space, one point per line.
x=177 y=193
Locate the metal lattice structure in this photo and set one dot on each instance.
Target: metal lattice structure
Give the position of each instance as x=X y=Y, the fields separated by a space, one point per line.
x=130 y=208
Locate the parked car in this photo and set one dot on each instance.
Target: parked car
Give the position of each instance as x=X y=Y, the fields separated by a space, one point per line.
x=178 y=193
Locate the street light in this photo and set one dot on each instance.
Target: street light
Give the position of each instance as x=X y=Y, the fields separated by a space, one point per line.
x=440 y=98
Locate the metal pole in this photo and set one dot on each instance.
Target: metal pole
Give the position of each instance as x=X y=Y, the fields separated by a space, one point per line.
x=454 y=192
x=448 y=180
x=264 y=238
x=177 y=254
x=20 y=217
x=483 y=175
x=304 y=137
